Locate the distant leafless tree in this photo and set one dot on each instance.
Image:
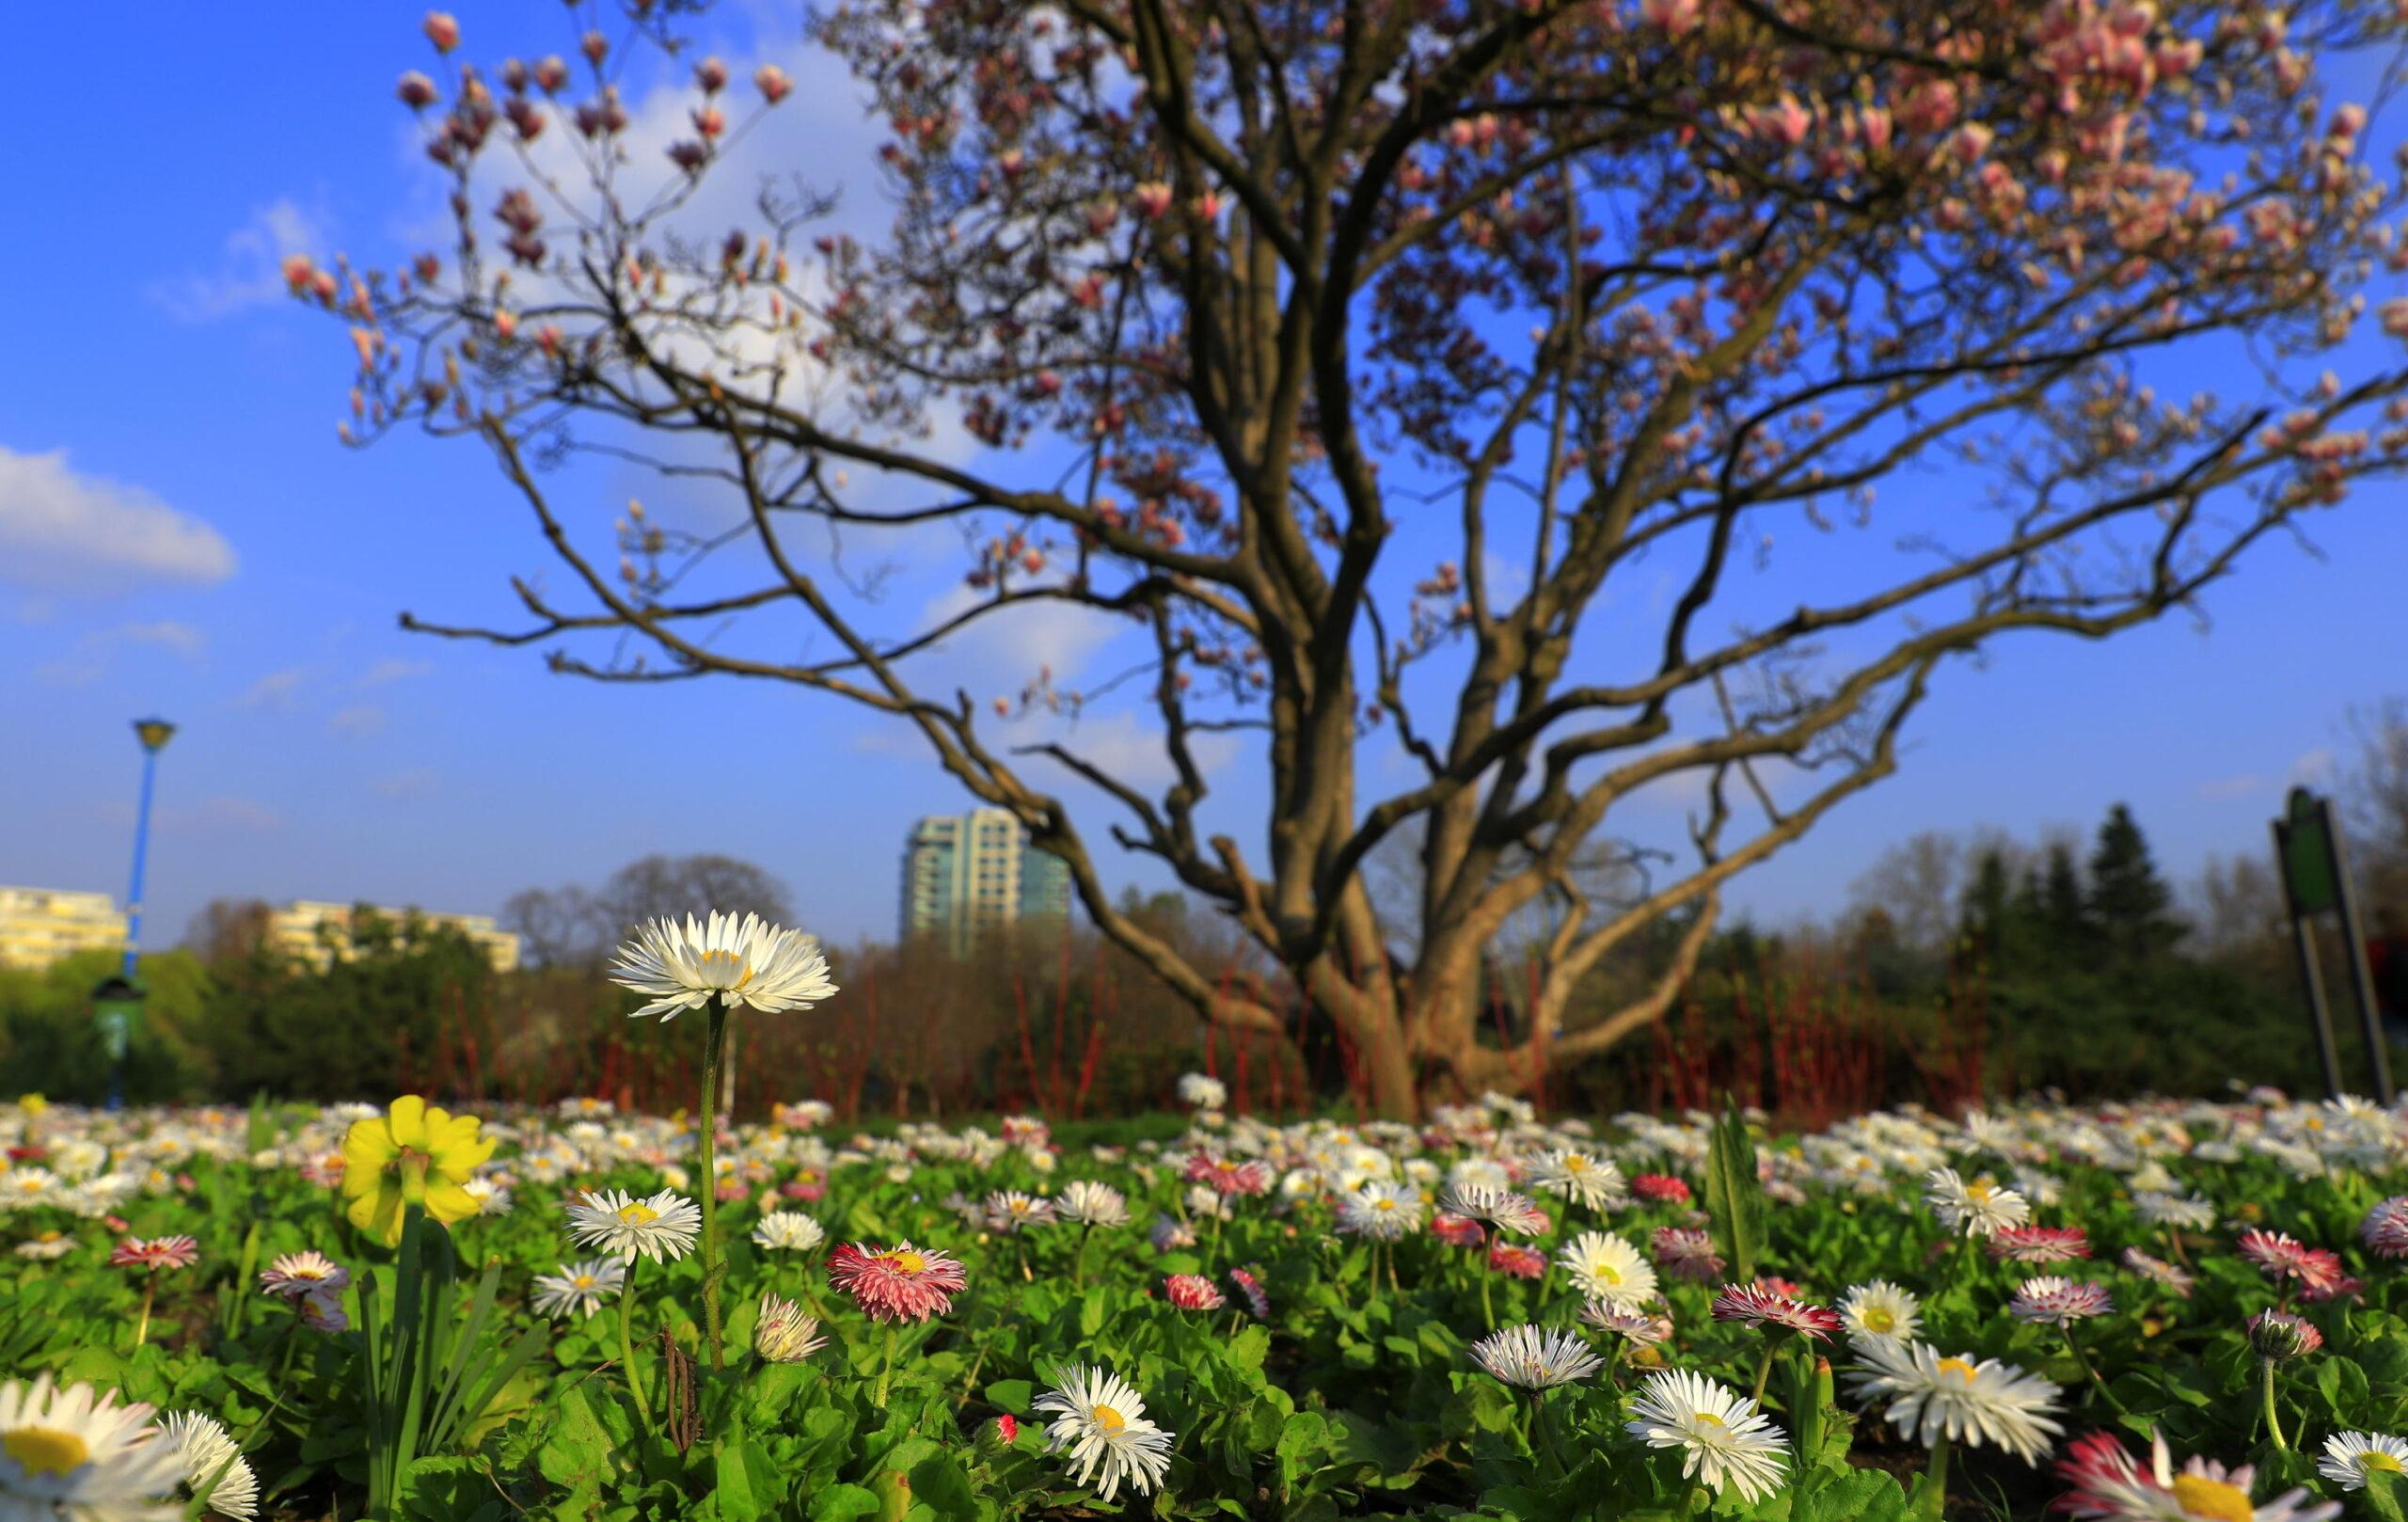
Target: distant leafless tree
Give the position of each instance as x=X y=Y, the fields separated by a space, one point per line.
x=2374 y=807
x=228 y=930
x=1915 y=885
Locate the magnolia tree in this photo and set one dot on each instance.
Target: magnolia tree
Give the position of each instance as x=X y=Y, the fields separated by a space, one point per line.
x=1358 y=355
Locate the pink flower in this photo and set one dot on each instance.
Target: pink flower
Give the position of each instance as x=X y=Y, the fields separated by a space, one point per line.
x=2058 y=1302
x=551 y=74
x=1151 y=198
x=772 y=83
x=321 y=1311
x=2386 y=1229
x=296 y=1275
x=901 y=1283
x=1660 y=1189
x=1193 y=1291
x=1513 y=1258
x=1756 y=1306
x=156 y=1254
x=2277 y=1334
x=2039 y=1244
x=1226 y=1176
x=416 y=90
x=1687 y=1253
x=1456 y=1230
x=1006 y=1430
x=711 y=75
x=2280 y=1256
x=1251 y=1287
x=442 y=29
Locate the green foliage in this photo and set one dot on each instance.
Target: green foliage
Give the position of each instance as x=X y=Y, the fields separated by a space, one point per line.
x=1735 y=1197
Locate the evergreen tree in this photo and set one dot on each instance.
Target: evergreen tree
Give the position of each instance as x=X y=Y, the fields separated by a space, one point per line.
x=1985 y=924
x=2066 y=924
x=2129 y=902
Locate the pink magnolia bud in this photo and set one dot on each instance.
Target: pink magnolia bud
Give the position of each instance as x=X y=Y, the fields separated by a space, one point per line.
x=1673 y=17
x=595 y=47
x=710 y=122
x=442 y=29
x=1152 y=198
x=711 y=75
x=772 y=83
x=551 y=74
x=298 y=269
x=416 y=90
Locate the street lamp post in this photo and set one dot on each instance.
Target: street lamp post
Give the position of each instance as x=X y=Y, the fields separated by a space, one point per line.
x=118 y=1001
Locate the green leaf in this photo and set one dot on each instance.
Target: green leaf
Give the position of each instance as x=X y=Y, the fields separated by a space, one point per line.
x=1012 y=1395
x=841 y=1503
x=1735 y=1200
x=1248 y=1348
x=748 y=1481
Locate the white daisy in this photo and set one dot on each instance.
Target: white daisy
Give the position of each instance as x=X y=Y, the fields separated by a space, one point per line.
x=79 y=1456
x=1500 y=1207
x=1198 y=1093
x=1099 y=1419
x=1724 y=1439
x=1975 y=1209
x=1580 y=1176
x=578 y=1287
x=1535 y=1358
x=747 y=961
x=2189 y=1212
x=1090 y=1203
x=1381 y=1210
x=789 y=1231
x=219 y=1478
x=1880 y=1309
x=2351 y=1456
x=783 y=1334
x=661 y=1226
x=1605 y=1267
x=1933 y=1397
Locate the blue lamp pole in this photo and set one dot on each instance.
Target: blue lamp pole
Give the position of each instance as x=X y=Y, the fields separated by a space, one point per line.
x=119 y=1001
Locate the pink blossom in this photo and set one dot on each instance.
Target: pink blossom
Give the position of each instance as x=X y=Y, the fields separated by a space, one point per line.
x=416 y=90
x=442 y=29
x=711 y=75
x=1674 y=18
x=772 y=83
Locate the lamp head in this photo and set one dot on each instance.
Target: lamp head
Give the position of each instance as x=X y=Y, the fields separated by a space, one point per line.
x=153 y=732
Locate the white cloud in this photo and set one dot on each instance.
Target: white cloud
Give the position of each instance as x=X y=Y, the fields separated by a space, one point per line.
x=416 y=782
x=90 y=658
x=277 y=689
x=250 y=273
x=1128 y=749
x=60 y=530
x=1007 y=649
x=2313 y=769
x=358 y=721
x=394 y=671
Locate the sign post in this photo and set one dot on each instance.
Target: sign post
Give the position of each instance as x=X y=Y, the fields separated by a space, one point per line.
x=2316 y=877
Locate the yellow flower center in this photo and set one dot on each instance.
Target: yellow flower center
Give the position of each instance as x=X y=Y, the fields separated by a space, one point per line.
x=1959 y=1367
x=1384 y=1204
x=723 y=969
x=2205 y=1497
x=639 y=1214
x=1877 y=1319
x=1576 y=1164
x=31 y=1186
x=1604 y=1272
x=45 y=1450
x=1979 y=1191
x=2377 y=1459
x=1109 y=1423
x=911 y=1263
x=50 y=1236
x=583 y=1281
x=1710 y=1419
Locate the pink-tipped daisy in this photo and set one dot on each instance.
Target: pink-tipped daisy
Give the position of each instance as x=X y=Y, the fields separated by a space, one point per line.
x=2052 y=1301
x=2280 y=1256
x=2039 y=1244
x=157 y=1254
x=2278 y=1335
x=1456 y=1231
x=1193 y=1291
x=900 y=1283
x=1660 y=1189
x=2386 y=1229
x=1227 y=1176
x=2158 y=1271
x=1508 y=1211
x=1517 y=1261
x=1637 y=1326
x=1755 y=1306
x=1687 y=1253
x=1250 y=1284
x=299 y=1274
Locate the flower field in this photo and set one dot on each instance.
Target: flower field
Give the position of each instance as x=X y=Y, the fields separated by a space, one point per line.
x=2161 y=1312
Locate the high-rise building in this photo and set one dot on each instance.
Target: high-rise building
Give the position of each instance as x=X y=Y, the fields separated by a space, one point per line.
x=321 y=933
x=39 y=925
x=966 y=874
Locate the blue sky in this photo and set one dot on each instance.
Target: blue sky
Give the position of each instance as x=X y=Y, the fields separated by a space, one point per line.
x=180 y=532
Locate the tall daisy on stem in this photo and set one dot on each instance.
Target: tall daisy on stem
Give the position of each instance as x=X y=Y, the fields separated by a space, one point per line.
x=1946 y=1400
x=1537 y=1359
x=157 y=1256
x=661 y=1227
x=1726 y=1441
x=714 y=966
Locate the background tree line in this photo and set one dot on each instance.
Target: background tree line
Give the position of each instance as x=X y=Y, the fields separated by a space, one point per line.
x=1962 y=965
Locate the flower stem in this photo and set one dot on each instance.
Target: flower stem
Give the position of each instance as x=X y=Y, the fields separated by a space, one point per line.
x=628 y=1344
x=1547 y=1431
x=1763 y=1372
x=2273 y=1422
x=1079 y=1265
x=1487 y=1309
x=885 y=1367
x=2089 y=1369
x=1934 y=1481
x=142 y=1322
x=714 y=1041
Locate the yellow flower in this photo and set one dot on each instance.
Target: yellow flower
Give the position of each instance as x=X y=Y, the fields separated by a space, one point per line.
x=33 y=1104
x=415 y=1154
